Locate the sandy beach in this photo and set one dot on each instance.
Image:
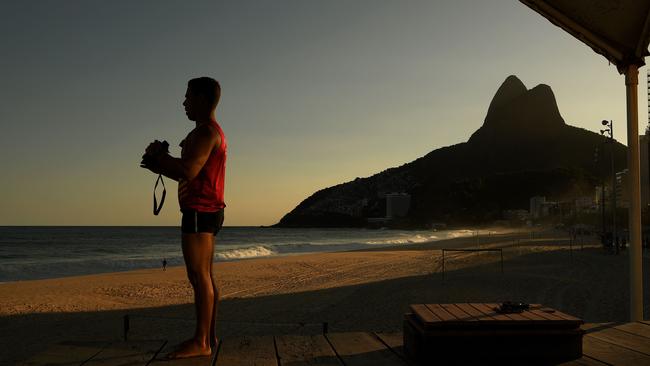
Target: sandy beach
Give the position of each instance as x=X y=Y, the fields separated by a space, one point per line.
x=358 y=290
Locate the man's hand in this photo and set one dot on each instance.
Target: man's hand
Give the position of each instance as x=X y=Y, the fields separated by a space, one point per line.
x=155 y=148
x=152 y=155
x=151 y=165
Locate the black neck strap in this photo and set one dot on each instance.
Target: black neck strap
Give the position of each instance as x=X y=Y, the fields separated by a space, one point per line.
x=156 y=207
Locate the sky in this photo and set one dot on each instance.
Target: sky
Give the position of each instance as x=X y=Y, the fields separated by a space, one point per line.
x=314 y=93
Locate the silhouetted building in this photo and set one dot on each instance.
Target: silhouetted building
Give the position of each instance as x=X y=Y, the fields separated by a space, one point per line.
x=599 y=195
x=397 y=204
x=583 y=204
x=644 y=145
x=537 y=207
x=516 y=215
x=622 y=189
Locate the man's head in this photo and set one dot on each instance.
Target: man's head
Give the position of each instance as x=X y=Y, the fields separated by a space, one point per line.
x=201 y=97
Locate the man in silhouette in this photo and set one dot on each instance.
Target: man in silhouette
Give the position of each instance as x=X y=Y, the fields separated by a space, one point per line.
x=200 y=172
x=164 y=263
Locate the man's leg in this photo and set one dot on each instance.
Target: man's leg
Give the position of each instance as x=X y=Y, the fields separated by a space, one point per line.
x=217 y=297
x=197 y=252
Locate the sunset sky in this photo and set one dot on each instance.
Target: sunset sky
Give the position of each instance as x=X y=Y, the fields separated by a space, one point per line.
x=315 y=93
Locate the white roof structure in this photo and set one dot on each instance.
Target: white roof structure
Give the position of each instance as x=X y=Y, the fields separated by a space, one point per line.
x=618 y=30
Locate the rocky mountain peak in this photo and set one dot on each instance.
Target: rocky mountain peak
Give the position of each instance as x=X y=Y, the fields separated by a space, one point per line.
x=510 y=89
x=515 y=110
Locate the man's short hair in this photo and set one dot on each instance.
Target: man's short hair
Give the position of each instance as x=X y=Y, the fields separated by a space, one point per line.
x=206 y=86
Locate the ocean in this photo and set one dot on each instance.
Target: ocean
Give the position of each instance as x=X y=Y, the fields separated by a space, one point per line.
x=28 y=253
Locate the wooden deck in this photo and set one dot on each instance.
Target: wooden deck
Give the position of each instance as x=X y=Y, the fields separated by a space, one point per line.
x=604 y=344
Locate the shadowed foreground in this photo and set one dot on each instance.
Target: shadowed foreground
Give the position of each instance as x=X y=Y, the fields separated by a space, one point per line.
x=365 y=291
x=604 y=344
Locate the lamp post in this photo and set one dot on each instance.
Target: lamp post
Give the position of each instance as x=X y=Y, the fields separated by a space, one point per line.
x=608 y=132
x=598 y=152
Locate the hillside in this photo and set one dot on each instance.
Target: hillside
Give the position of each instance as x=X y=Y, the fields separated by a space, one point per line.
x=524 y=148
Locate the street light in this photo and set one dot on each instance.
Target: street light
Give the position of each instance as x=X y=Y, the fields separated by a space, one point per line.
x=609 y=134
x=598 y=151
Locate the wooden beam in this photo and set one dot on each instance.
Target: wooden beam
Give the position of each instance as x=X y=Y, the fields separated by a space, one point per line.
x=362 y=349
x=598 y=44
x=66 y=353
x=305 y=350
x=127 y=353
x=247 y=351
x=611 y=353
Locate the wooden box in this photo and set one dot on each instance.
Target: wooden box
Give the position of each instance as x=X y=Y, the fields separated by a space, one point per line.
x=457 y=333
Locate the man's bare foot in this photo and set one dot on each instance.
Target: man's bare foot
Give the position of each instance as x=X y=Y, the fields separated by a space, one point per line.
x=190 y=348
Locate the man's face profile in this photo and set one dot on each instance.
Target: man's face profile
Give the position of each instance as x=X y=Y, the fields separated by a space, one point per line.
x=194 y=104
x=189 y=104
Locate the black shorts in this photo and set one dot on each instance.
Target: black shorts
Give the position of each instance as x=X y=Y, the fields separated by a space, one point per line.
x=201 y=222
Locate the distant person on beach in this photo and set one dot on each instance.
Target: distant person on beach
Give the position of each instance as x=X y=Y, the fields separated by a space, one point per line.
x=164 y=264
x=200 y=172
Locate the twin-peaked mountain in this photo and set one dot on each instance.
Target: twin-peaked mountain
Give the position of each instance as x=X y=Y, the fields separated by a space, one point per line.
x=523 y=149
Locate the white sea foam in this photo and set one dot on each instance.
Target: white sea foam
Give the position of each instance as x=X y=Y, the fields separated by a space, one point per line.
x=404 y=240
x=460 y=233
x=248 y=252
x=423 y=238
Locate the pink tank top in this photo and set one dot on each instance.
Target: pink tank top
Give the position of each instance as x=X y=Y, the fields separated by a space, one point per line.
x=205 y=192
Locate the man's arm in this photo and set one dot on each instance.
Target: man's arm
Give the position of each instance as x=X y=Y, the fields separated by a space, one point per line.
x=188 y=167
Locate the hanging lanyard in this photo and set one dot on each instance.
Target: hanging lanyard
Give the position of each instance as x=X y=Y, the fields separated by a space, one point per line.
x=156 y=207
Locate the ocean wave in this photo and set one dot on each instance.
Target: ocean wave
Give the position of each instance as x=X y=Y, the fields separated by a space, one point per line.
x=35 y=253
x=248 y=252
x=460 y=233
x=408 y=240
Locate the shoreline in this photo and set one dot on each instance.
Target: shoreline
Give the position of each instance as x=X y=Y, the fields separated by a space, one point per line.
x=217 y=259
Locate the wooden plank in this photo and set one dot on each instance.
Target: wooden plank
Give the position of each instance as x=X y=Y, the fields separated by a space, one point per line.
x=441 y=313
x=195 y=361
x=305 y=350
x=520 y=318
x=621 y=338
x=555 y=312
x=457 y=312
x=637 y=328
x=514 y=316
x=486 y=310
x=473 y=312
x=394 y=341
x=612 y=354
x=584 y=361
x=362 y=349
x=127 y=353
x=545 y=315
x=66 y=353
x=424 y=314
x=532 y=316
x=549 y=313
x=566 y=316
x=249 y=351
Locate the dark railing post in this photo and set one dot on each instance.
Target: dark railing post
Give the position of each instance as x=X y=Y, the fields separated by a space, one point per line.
x=443 y=264
x=501 y=251
x=571 y=248
x=126 y=326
